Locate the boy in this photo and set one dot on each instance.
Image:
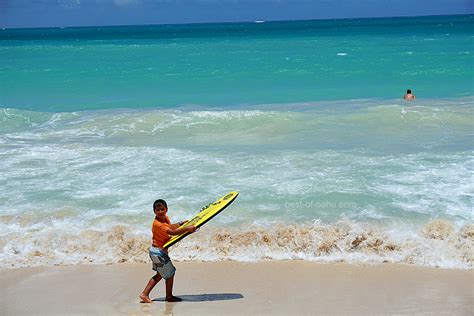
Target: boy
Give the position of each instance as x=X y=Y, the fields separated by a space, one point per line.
x=162 y=229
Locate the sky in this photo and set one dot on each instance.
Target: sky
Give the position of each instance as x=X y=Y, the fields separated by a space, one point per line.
x=53 y=13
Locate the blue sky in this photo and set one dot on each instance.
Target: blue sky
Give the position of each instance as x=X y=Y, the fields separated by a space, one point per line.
x=44 y=13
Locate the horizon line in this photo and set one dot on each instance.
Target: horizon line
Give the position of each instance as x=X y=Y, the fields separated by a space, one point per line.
x=235 y=22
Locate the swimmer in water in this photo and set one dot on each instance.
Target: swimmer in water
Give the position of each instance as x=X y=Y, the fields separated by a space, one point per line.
x=409 y=96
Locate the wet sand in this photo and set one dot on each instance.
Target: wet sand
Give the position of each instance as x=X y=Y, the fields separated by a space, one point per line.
x=230 y=288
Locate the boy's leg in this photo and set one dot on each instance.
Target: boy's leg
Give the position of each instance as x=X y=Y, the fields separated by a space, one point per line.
x=151 y=284
x=169 y=291
x=169 y=287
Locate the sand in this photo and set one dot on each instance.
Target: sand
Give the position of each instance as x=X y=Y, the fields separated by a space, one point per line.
x=230 y=288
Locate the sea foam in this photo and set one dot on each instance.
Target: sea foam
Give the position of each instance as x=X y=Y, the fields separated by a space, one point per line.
x=437 y=244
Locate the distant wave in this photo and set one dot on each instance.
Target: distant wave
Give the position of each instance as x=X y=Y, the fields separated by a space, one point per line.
x=396 y=113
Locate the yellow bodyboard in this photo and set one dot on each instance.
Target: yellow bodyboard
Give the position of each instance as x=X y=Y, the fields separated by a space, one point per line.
x=205 y=215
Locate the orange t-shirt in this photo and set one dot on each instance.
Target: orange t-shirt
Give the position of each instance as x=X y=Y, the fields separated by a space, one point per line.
x=160 y=236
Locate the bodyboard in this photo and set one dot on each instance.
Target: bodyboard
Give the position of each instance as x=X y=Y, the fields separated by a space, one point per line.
x=205 y=215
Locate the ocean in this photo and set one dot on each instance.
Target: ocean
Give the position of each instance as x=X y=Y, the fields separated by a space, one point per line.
x=306 y=119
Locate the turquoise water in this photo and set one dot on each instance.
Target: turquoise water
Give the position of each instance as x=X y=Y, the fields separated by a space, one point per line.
x=233 y=64
x=305 y=119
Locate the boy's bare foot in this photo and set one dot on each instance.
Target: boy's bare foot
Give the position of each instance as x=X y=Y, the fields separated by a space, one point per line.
x=173 y=299
x=145 y=299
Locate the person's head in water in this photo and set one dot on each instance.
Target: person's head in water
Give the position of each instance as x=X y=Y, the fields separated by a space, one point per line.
x=409 y=95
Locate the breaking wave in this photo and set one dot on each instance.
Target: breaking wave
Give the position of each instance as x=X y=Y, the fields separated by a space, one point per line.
x=438 y=243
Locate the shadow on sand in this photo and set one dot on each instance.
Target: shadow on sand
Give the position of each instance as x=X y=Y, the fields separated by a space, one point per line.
x=206 y=297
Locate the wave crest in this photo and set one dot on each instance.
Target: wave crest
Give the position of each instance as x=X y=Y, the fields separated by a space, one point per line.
x=438 y=244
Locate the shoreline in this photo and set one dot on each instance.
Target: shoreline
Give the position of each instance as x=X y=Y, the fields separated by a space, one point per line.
x=234 y=288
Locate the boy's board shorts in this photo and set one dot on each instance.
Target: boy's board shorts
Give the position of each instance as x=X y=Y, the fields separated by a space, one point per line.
x=161 y=262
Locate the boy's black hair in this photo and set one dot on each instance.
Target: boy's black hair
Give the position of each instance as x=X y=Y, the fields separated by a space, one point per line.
x=159 y=202
x=408 y=91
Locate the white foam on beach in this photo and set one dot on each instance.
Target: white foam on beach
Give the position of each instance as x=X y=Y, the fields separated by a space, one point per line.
x=436 y=244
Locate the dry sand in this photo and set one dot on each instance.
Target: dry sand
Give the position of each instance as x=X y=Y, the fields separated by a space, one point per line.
x=230 y=288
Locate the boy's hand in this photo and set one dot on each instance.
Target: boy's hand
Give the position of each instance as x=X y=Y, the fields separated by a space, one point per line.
x=191 y=229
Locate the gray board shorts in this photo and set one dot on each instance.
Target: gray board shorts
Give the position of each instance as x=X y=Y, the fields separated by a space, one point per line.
x=161 y=262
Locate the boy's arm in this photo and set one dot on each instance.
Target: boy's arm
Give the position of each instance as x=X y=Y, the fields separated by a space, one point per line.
x=179 y=231
x=176 y=225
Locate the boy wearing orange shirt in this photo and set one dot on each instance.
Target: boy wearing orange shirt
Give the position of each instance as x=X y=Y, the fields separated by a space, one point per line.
x=162 y=229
